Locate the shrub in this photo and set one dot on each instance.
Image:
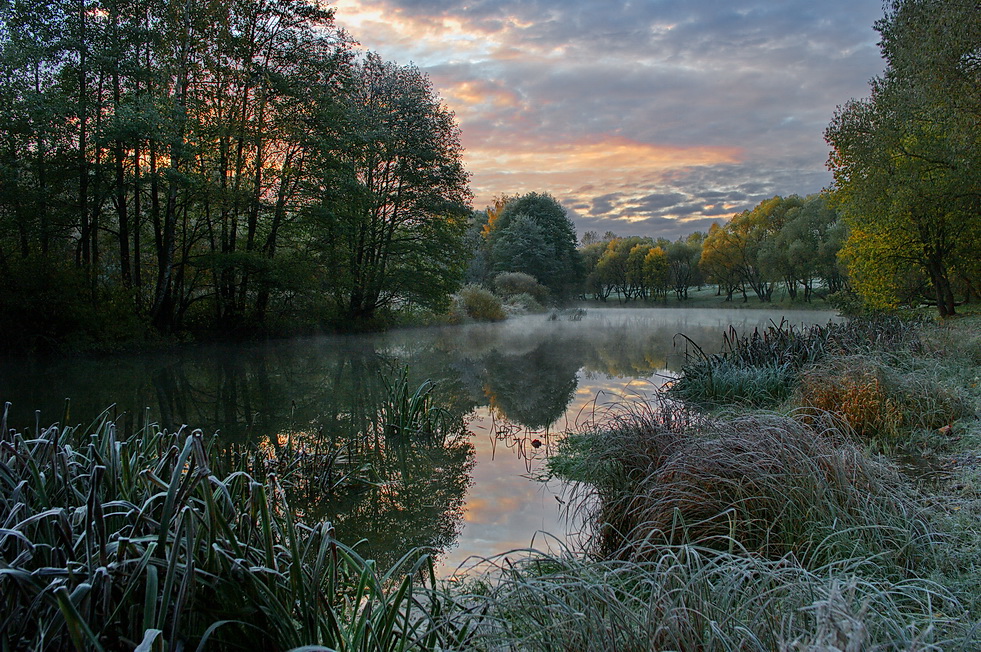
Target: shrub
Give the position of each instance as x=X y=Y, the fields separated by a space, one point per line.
x=728 y=384
x=477 y=303
x=876 y=399
x=762 y=368
x=510 y=284
x=523 y=304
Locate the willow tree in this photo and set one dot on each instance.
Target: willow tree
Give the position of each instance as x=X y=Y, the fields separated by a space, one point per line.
x=907 y=159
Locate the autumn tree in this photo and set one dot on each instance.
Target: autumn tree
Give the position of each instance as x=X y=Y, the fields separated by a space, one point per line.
x=907 y=161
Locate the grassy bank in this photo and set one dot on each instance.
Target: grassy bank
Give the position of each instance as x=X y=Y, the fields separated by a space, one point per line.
x=721 y=526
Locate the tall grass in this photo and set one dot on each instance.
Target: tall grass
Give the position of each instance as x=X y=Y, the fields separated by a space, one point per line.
x=157 y=541
x=761 y=368
x=770 y=485
x=877 y=399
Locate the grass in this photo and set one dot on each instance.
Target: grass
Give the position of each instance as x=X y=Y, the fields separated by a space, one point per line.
x=770 y=485
x=691 y=598
x=878 y=399
x=756 y=531
x=762 y=368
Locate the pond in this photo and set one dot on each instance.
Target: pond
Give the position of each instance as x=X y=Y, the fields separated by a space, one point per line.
x=516 y=386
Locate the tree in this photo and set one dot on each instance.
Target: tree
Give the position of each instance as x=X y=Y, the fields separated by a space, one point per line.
x=657 y=272
x=561 y=269
x=620 y=268
x=907 y=159
x=806 y=247
x=683 y=257
x=395 y=195
x=720 y=261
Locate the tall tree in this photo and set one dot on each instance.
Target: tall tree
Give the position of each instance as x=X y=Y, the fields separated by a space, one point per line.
x=395 y=192
x=562 y=271
x=907 y=159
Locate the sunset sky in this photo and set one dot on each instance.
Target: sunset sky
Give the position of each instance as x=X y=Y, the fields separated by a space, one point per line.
x=643 y=117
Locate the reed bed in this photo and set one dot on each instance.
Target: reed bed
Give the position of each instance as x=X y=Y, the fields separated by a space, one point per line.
x=762 y=368
x=155 y=541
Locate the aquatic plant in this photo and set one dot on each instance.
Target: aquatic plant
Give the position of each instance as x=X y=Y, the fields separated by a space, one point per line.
x=157 y=541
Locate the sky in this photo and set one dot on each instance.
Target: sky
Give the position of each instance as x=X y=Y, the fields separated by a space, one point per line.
x=642 y=117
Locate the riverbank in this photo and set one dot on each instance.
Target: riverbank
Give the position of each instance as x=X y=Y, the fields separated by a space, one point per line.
x=723 y=526
x=760 y=524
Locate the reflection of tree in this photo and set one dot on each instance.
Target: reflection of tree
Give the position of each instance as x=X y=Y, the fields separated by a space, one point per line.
x=534 y=388
x=392 y=491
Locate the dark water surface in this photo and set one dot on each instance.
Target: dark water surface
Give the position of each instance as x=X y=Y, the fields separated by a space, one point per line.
x=517 y=385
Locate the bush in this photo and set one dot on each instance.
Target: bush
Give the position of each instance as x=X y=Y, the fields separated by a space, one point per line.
x=878 y=401
x=477 y=303
x=522 y=304
x=510 y=284
x=729 y=384
x=48 y=304
x=762 y=368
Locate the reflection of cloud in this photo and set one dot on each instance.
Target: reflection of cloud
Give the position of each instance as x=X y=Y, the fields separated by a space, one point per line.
x=585 y=99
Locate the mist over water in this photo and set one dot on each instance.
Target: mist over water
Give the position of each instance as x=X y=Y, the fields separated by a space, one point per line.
x=517 y=385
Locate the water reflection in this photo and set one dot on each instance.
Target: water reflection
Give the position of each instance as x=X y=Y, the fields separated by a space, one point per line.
x=516 y=383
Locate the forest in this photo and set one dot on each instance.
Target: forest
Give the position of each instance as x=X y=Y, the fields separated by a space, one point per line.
x=215 y=167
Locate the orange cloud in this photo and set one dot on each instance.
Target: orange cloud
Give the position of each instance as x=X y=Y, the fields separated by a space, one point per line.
x=565 y=169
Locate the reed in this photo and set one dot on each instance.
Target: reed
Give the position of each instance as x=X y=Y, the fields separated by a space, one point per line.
x=762 y=368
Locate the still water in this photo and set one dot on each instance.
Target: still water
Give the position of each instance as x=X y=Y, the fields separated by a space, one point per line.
x=515 y=387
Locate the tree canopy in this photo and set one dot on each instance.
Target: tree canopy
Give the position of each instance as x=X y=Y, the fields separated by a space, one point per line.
x=907 y=159
x=217 y=165
x=533 y=234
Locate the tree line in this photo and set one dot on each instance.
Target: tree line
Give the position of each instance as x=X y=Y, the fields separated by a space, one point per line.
x=219 y=166
x=792 y=242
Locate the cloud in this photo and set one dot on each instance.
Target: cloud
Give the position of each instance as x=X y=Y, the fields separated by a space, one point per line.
x=646 y=115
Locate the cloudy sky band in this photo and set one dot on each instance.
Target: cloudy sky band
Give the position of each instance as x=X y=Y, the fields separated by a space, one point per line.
x=643 y=117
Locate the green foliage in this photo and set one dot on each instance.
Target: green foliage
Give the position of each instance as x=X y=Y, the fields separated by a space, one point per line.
x=477 y=303
x=763 y=368
x=50 y=305
x=692 y=598
x=111 y=541
x=533 y=234
x=510 y=284
x=223 y=182
x=878 y=400
x=905 y=160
